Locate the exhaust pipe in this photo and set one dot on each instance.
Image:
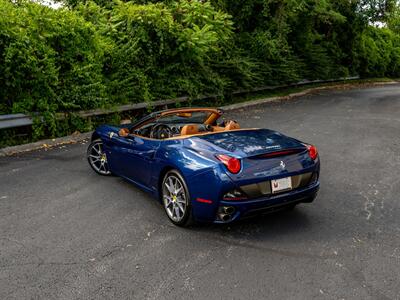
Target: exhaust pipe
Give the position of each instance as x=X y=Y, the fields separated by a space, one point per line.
x=228 y=210
x=225 y=217
x=225 y=213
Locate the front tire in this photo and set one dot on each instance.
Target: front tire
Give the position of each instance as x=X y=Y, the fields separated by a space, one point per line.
x=176 y=199
x=97 y=158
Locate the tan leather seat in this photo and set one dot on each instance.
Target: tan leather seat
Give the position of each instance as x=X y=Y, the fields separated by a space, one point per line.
x=190 y=129
x=232 y=125
x=218 y=128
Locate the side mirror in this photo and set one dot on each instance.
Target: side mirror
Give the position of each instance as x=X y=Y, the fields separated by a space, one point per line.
x=123 y=132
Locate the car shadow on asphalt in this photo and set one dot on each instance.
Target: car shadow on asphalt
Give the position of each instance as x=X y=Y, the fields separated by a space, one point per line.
x=277 y=223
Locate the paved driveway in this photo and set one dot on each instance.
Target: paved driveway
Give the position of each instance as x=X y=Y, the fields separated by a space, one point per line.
x=67 y=233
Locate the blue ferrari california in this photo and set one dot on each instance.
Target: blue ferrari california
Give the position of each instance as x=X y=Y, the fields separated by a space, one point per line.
x=205 y=169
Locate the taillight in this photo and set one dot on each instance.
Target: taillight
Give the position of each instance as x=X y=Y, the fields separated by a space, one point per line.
x=312 y=152
x=232 y=163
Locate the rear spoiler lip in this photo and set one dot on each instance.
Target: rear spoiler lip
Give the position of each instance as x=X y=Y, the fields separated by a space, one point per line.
x=279 y=153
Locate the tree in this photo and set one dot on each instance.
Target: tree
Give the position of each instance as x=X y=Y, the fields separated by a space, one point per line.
x=377 y=10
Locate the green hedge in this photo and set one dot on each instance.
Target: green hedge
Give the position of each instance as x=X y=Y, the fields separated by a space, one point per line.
x=100 y=54
x=50 y=60
x=379 y=53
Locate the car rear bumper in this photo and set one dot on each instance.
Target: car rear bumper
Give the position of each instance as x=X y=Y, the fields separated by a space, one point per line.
x=250 y=208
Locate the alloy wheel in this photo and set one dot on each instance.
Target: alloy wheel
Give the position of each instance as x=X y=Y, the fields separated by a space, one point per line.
x=174 y=198
x=98 y=158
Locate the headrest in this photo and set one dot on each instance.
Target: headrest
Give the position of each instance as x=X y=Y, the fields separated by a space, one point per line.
x=232 y=125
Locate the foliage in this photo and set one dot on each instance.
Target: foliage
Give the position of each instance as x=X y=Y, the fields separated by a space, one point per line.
x=377 y=10
x=50 y=60
x=100 y=53
x=164 y=51
x=379 y=52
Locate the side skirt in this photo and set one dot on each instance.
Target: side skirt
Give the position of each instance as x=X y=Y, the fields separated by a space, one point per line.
x=140 y=186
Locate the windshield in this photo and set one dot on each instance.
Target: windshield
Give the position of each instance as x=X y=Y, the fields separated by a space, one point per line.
x=198 y=117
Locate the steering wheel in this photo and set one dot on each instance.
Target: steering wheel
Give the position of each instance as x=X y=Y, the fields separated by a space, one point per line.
x=161 y=131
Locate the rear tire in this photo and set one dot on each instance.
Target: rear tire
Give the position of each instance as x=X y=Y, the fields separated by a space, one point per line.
x=97 y=158
x=176 y=199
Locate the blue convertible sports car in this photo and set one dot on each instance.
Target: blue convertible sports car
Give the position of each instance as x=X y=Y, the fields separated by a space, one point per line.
x=207 y=170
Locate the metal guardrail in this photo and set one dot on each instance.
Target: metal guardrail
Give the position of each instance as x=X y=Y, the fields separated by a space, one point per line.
x=20 y=120
x=15 y=120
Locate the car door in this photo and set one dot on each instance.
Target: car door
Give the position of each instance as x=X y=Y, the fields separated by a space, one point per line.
x=133 y=156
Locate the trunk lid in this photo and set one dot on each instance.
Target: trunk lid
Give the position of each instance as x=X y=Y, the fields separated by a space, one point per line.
x=265 y=154
x=251 y=143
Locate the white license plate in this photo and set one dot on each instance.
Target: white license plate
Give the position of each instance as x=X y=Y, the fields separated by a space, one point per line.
x=282 y=184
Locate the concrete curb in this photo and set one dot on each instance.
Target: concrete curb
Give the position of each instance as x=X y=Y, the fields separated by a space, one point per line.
x=76 y=138
x=45 y=144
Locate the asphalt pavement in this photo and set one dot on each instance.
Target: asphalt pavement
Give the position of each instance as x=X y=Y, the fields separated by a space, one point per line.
x=67 y=233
